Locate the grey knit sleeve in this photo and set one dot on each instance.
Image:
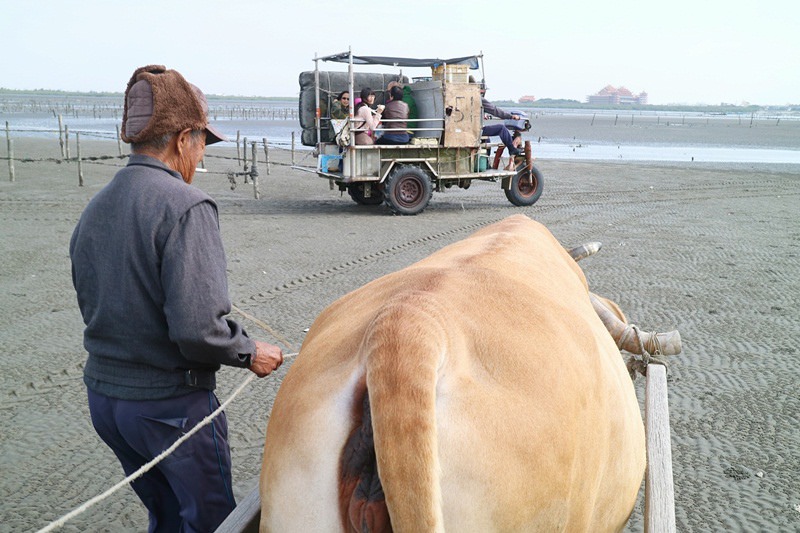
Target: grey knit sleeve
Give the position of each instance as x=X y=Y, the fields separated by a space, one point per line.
x=194 y=278
x=493 y=110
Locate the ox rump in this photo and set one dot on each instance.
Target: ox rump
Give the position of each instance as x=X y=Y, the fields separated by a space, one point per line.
x=476 y=390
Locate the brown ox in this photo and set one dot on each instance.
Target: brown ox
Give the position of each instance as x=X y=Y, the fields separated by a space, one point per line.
x=477 y=389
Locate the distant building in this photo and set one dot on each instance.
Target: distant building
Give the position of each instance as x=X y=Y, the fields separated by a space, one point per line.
x=527 y=99
x=609 y=95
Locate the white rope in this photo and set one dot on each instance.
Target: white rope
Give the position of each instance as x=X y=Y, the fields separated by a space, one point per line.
x=149 y=466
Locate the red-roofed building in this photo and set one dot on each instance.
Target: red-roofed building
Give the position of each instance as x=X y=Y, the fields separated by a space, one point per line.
x=527 y=99
x=609 y=95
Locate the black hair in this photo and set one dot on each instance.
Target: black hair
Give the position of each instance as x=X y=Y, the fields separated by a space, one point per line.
x=396 y=93
x=366 y=92
x=482 y=82
x=342 y=94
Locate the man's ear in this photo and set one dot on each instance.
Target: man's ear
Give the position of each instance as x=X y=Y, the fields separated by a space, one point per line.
x=183 y=139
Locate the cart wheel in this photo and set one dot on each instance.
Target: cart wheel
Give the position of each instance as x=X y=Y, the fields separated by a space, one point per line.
x=525 y=190
x=356 y=192
x=408 y=190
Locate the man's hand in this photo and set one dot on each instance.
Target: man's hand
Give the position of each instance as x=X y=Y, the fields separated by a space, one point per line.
x=267 y=358
x=514 y=117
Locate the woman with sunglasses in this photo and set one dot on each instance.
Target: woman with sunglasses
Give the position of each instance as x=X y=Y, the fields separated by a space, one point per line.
x=341 y=106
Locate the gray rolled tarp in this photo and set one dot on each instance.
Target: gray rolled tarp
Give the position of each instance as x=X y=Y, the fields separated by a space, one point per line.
x=330 y=85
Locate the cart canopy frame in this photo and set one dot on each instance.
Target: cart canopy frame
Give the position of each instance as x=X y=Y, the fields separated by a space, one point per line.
x=345 y=57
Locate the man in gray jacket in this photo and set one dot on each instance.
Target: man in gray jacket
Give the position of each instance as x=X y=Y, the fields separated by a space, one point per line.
x=148 y=267
x=497 y=130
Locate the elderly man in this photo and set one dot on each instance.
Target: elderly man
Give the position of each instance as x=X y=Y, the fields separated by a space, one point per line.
x=148 y=267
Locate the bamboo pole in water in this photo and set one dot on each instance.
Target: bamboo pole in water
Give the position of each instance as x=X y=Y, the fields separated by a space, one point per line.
x=60 y=135
x=266 y=153
x=244 y=157
x=238 y=155
x=10 y=145
x=254 y=173
x=80 y=165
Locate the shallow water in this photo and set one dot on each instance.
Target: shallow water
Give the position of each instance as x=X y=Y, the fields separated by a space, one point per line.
x=563 y=136
x=697 y=153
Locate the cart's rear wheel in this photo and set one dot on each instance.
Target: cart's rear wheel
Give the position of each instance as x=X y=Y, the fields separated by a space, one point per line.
x=408 y=190
x=525 y=190
x=357 y=193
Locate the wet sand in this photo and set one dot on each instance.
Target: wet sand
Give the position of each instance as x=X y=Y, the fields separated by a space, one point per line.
x=709 y=249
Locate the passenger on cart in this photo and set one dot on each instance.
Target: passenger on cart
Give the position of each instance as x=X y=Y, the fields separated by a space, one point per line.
x=366 y=118
x=395 y=117
x=341 y=106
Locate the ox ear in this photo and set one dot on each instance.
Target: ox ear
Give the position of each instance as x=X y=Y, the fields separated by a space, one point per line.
x=585 y=250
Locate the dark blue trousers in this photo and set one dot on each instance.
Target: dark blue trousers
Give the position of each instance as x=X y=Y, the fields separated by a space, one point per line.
x=190 y=490
x=499 y=130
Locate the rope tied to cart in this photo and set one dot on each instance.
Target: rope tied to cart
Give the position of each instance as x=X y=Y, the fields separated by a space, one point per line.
x=639 y=363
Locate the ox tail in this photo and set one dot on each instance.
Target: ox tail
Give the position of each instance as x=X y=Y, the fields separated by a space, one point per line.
x=403 y=349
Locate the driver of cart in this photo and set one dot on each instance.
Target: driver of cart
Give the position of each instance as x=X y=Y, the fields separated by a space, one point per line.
x=366 y=118
x=497 y=130
x=395 y=117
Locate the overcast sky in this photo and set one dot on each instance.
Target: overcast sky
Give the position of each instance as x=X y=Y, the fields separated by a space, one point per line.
x=678 y=51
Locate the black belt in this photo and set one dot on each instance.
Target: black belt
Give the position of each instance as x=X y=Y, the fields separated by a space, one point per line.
x=202 y=379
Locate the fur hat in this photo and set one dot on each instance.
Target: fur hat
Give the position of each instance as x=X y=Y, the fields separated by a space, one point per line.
x=159 y=101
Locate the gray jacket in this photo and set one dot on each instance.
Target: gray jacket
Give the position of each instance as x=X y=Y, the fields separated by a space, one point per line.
x=493 y=110
x=149 y=270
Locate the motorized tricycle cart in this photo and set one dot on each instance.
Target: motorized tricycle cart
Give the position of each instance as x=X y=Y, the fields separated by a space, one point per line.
x=446 y=149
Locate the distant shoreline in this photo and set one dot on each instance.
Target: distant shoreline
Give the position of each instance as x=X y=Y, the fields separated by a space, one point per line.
x=554 y=135
x=545 y=103
x=104 y=94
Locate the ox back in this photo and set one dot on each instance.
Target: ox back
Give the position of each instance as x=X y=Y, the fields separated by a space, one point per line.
x=476 y=390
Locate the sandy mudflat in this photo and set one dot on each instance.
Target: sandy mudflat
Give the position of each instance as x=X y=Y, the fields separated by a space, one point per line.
x=709 y=249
